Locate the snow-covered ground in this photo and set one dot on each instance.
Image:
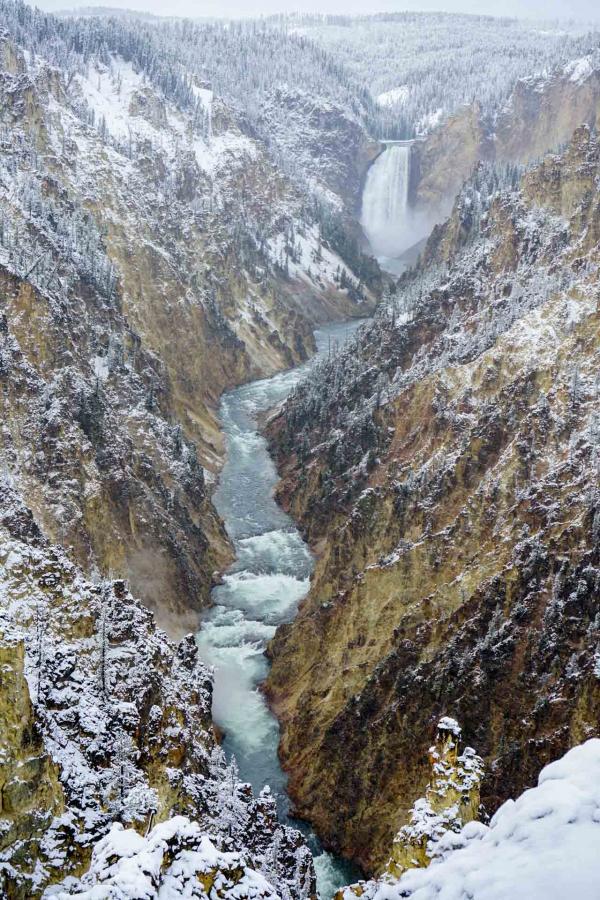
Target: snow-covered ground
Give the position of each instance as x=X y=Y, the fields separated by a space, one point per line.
x=111 y=93
x=579 y=70
x=394 y=97
x=175 y=860
x=306 y=258
x=543 y=846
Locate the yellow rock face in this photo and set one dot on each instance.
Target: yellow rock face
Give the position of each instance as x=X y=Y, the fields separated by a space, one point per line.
x=543 y=116
x=540 y=116
x=443 y=161
x=446 y=569
x=30 y=792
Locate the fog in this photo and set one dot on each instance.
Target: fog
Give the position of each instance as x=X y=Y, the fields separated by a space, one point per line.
x=579 y=9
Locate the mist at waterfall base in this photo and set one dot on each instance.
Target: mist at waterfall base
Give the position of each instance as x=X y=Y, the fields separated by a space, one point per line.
x=390 y=225
x=261 y=590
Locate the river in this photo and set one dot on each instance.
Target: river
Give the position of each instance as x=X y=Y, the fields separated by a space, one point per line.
x=260 y=591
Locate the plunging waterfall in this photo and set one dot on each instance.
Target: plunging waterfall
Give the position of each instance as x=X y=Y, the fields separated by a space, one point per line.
x=384 y=212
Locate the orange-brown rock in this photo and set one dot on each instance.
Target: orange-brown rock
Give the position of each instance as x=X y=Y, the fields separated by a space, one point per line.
x=446 y=472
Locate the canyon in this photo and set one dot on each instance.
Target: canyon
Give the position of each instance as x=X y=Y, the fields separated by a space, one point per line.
x=299 y=452
x=152 y=255
x=444 y=467
x=223 y=258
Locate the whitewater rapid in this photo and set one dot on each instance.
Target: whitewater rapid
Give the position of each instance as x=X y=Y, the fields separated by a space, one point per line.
x=384 y=213
x=260 y=591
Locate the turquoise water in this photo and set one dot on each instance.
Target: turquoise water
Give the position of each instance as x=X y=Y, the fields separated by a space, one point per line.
x=260 y=591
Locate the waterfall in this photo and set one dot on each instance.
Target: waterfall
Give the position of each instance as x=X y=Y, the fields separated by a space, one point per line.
x=384 y=214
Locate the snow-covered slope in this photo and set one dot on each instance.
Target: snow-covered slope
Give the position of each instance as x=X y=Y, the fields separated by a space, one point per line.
x=174 y=860
x=418 y=63
x=251 y=66
x=105 y=720
x=446 y=466
x=542 y=846
x=152 y=254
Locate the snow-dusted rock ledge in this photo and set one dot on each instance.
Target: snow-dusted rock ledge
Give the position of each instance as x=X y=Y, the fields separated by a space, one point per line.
x=543 y=846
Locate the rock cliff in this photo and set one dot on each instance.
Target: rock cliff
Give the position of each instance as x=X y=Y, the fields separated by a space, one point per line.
x=445 y=469
x=150 y=258
x=540 y=115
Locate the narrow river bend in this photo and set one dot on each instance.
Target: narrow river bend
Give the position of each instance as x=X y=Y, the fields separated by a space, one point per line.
x=260 y=591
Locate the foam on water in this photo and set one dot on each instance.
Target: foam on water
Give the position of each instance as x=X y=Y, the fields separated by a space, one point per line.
x=262 y=589
x=274 y=551
x=271 y=598
x=332 y=873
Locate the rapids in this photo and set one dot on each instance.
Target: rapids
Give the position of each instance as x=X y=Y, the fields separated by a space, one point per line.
x=261 y=590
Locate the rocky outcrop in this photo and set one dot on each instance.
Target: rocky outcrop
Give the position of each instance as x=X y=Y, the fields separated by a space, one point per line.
x=445 y=470
x=543 y=112
x=451 y=801
x=147 y=263
x=120 y=730
x=540 y=115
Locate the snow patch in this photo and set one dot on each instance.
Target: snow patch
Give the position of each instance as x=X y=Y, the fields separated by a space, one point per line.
x=446 y=723
x=396 y=97
x=430 y=121
x=174 y=860
x=579 y=70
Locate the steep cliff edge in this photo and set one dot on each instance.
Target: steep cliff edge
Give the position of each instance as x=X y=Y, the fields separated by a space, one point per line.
x=540 y=115
x=445 y=469
x=152 y=254
x=106 y=721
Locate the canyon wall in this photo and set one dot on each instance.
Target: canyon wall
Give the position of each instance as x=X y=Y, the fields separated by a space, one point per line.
x=445 y=470
x=540 y=115
x=146 y=265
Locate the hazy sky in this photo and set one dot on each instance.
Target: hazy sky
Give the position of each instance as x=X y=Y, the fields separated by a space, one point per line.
x=580 y=9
